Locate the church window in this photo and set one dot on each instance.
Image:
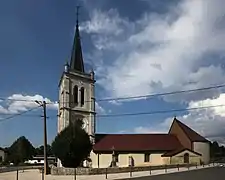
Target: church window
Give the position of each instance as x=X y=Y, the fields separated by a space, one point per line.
x=75 y=95
x=186 y=158
x=82 y=96
x=147 y=157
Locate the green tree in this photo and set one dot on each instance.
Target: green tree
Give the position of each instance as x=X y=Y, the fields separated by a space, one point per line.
x=40 y=150
x=20 y=151
x=72 y=145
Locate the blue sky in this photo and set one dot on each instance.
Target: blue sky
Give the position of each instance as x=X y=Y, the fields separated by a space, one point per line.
x=142 y=48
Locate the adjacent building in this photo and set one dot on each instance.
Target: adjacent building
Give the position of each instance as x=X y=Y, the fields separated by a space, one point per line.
x=77 y=101
x=180 y=145
x=2 y=154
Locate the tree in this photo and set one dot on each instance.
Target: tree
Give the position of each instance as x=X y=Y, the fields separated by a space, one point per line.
x=72 y=145
x=20 y=151
x=40 y=150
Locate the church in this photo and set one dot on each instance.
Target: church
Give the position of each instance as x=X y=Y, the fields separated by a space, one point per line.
x=77 y=101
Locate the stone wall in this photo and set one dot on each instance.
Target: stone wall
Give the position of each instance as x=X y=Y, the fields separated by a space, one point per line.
x=93 y=171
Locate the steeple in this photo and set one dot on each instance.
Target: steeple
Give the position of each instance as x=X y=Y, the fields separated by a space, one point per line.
x=76 y=62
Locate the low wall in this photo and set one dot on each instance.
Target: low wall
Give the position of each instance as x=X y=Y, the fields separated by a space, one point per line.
x=94 y=171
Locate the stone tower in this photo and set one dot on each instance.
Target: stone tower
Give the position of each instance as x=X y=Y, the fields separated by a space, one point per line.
x=76 y=92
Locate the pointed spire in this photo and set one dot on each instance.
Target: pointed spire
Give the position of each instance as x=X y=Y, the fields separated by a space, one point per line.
x=76 y=62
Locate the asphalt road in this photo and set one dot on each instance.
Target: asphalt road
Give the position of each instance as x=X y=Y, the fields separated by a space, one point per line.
x=217 y=173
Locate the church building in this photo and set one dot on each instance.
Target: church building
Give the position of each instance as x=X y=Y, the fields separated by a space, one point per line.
x=77 y=101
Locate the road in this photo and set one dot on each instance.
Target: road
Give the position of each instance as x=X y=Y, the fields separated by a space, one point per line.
x=217 y=173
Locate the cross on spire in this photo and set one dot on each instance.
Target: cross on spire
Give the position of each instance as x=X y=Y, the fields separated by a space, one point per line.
x=77 y=22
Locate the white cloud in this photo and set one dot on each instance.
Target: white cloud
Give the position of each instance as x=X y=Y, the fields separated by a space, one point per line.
x=18 y=103
x=3 y=110
x=160 y=53
x=102 y=23
x=115 y=102
x=99 y=108
x=209 y=122
x=179 y=50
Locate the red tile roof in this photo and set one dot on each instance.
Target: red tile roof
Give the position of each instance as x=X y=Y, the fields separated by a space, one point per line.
x=136 y=142
x=191 y=134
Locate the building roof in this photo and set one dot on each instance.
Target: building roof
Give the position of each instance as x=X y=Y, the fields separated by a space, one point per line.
x=136 y=142
x=177 y=151
x=2 y=149
x=191 y=134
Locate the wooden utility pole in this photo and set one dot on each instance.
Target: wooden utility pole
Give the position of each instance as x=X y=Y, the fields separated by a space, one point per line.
x=46 y=169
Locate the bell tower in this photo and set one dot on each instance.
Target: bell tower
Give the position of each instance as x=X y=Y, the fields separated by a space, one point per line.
x=76 y=91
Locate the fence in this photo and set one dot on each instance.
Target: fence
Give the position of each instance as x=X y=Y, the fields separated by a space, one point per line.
x=15 y=168
x=163 y=170
x=108 y=173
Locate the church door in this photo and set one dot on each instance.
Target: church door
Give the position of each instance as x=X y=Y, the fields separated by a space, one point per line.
x=186 y=158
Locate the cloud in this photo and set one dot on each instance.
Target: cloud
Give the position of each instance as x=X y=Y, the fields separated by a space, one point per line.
x=99 y=108
x=115 y=102
x=209 y=122
x=161 y=52
x=17 y=103
x=103 y=25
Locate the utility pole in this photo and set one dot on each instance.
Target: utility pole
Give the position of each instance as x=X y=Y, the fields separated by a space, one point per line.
x=46 y=168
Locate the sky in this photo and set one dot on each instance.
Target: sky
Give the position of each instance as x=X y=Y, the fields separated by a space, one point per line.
x=136 y=49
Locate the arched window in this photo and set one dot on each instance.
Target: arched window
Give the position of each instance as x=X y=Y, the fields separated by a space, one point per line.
x=186 y=158
x=75 y=95
x=82 y=96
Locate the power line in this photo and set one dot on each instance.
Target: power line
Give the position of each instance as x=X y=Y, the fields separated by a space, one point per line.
x=157 y=94
x=19 y=114
x=160 y=112
x=24 y=100
x=27 y=115
x=132 y=114
x=157 y=112
x=129 y=97
x=164 y=94
x=12 y=99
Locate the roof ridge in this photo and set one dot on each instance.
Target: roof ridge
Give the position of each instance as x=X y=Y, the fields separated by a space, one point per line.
x=136 y=134
x=186 y=128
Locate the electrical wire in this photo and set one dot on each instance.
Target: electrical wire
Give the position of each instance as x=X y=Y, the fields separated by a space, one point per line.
x=158 y=112
x=18 y=114
x=156 y=94
x=130 y=97
x=161 y=111
x=163 y=94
